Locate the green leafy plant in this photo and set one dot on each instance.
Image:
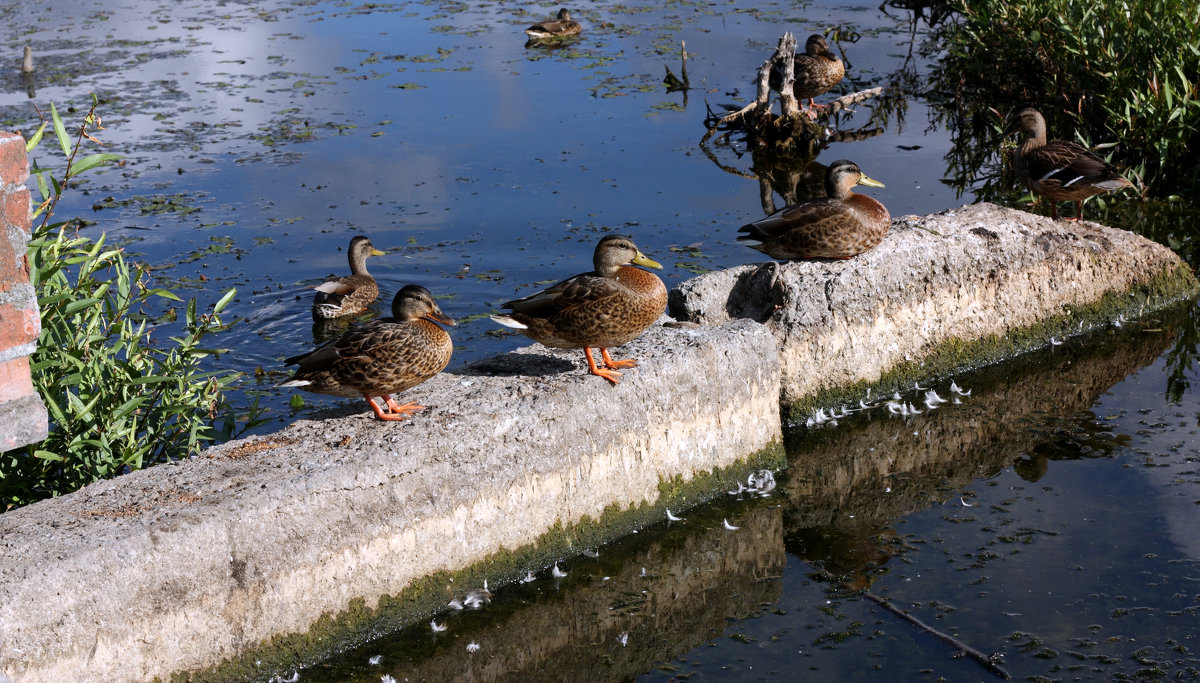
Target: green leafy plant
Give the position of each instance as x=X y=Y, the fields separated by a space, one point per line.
x=1126 y=72
x=117 y=398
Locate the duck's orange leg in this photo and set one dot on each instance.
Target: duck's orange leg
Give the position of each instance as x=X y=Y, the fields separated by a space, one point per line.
x=395 y=412
x=610 y=375
x=616 y=364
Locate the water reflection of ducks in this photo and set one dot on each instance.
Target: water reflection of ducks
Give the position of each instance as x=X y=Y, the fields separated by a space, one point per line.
x=1060 y=170
x=840 y=225
x=607 y=307
x=338 y=297
x=381 y=358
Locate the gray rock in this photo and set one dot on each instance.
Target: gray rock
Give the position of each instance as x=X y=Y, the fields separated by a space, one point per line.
x=976 y=273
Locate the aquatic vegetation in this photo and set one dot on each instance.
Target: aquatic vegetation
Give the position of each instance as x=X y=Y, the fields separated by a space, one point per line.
x=1113 y=72
x=118 y=398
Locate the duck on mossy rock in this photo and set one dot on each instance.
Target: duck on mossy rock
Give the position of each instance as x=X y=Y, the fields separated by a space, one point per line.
x=381 y=358
x=1060 y=170
x=338 y=297
x=562 y=27
x=607 y=307
x=840 y=225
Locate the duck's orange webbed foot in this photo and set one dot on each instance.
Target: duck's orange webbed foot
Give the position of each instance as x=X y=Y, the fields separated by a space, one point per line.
x=616 y=364
x=610 y=375
x=395 y=412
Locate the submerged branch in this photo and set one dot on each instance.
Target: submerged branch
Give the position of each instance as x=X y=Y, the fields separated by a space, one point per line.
x=969 y=651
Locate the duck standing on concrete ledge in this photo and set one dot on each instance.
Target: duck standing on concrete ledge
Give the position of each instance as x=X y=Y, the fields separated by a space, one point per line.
x=382 y=357
x=839 y=226
x=562 y=27
x=607 y=307
x=338 y=297
x=1059 y=170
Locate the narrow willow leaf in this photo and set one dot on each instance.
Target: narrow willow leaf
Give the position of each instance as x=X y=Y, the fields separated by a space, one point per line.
x=60 y=131
x=225 y=300
x=91 y=161
x=37 y=137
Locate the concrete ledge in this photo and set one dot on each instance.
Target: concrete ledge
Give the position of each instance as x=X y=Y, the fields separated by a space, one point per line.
x=979 y=273
x=261 y=538
x=523 y=458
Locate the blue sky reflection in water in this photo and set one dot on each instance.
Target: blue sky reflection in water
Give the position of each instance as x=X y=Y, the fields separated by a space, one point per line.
x=279 y=131
x=486 y=168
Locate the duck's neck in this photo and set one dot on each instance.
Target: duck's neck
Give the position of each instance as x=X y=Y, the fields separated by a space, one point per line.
x=1033 y=140
x=358 y=264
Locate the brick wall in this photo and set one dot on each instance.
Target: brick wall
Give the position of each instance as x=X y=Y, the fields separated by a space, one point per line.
x=22 y=413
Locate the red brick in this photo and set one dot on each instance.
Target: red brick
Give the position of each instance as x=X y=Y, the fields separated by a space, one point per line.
x=15 y=209
x=18 y=326
x=14 y=379
x=14 y=165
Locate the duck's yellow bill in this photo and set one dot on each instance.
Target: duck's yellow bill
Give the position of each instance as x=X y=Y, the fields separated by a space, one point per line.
x=643 y=260
x=863 y=179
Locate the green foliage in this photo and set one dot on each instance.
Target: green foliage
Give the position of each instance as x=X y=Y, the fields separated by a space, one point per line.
x=1123 y=71
x=117 y=400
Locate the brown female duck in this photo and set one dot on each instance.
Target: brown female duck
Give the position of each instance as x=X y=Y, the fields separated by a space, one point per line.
x=840 y=225
x=607 y=307
x=1060 y=170
x=349 y=294
x=382 y=357
x=815 y=72
x=562 y=27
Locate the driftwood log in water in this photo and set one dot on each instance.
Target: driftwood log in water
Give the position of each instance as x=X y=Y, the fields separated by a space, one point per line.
x=791 y=129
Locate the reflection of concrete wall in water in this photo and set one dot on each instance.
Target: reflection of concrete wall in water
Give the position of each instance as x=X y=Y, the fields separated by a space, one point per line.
x=837 y=479
x=693 y=585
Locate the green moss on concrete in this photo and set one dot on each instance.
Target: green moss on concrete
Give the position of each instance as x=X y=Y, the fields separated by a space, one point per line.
x=956 y=356
x=430 y=594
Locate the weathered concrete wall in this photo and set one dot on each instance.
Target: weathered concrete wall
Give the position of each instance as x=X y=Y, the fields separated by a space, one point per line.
x=968 y=274
x=521 y=458
x=181 y=565
x=22 y=414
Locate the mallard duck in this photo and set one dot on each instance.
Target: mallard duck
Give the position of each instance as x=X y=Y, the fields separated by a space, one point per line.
x=607 y=307
x=382 y=357
x=349 y=294
x=1059 y=170
x=840 y=225
x=815 y=72
x=562 y=27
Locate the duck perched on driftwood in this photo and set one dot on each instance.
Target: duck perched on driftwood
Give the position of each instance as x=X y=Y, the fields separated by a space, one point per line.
x=1060 y=170
x=338 y=297
x=381 y=358
x=607 y=307
x=816 y=71
x=562 y=27
x=840 y=225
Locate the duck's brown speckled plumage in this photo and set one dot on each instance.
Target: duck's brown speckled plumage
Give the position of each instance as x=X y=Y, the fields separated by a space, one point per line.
x=815 y=72
x=1060 y=170
x=562 y=27
x=382 y=357
x=840 y=225
x=607 y=307
x=338 y=297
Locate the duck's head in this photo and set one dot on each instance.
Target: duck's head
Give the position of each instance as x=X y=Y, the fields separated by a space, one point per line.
x=615 y=251
x=564 y=15
x=817 y=47
x=843 y=175
x=414 y=302
x=1030 y=122
x=361 y=248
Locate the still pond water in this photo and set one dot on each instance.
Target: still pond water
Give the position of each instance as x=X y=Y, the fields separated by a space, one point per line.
x=1051 y=517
